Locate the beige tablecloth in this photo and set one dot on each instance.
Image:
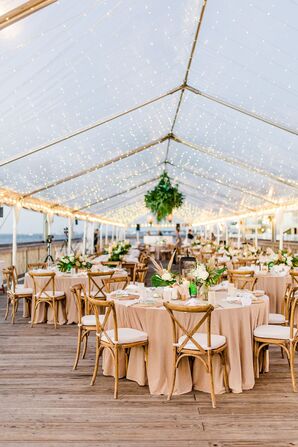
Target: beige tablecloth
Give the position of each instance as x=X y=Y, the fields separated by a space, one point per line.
x=235 y=322
x=64 y=283
x=275 y=287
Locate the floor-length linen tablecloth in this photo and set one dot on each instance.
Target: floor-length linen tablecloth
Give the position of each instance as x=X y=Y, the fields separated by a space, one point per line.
x=236 y=323
x=275 y=288
x=63 y=282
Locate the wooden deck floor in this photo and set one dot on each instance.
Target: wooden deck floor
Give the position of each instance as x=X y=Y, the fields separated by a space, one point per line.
x=44 y=403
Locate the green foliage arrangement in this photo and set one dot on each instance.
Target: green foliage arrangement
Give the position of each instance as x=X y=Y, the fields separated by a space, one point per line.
x=77 y=261
x=164 y=198
x=118 y=249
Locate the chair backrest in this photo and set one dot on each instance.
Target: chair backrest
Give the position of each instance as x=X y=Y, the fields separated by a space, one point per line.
x=293 y=312
x=178 y=326
x=187 y=262
x=36 y=265
x=242 y=279
x=43 y=283
x=111 y=263
x=141 y=274
x=118 y=283
x=96 y=285
x=10 y=279
x=79 y=294
x=12 y=269
x=109 y=310
x=294 y=276
x=130 y=267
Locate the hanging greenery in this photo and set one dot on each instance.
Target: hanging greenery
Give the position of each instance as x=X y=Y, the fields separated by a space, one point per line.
x=164 y=198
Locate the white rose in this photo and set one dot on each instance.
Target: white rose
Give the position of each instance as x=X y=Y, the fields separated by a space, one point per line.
x=204 y=274
x=166 y=276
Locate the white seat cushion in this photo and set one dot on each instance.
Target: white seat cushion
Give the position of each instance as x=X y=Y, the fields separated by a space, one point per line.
x=126 y=335
x=216 y=341
x=276 y=319
x=50 y=293
x=23 y=291
x=271 y=331
x=89 y=320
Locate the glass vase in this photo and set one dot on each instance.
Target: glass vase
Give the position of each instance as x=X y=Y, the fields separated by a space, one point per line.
x=204 y=292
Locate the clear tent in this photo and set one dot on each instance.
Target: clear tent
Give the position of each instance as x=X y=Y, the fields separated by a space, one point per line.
x=99 y=97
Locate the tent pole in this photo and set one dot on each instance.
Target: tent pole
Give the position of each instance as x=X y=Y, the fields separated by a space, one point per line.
x=239 y=235
x=15 y=216
x=84 y=237
x=256 y=236
x=227 y=233
x=100 y=236
x=69 y=236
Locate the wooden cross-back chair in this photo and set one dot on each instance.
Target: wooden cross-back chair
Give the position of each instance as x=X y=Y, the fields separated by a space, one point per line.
x=111 y=263
x=15 y=293
x=242 y=279
x=285 y=336
x=118 y=283
x=283 y=318
x=191 y=343
x=130 y=267
x=187 y=262
x=206 y=255
x=36 y=265
x=114 y=339
x=86 y=322
x=44 y=291
x=294 y=277
x=96 y=287
x=141 y=273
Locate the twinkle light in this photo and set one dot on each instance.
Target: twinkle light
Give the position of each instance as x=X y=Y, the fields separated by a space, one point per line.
x=78 y=120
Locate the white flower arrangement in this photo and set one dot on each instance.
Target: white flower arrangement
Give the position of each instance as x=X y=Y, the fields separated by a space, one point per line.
x=163 y=277
x=66 y=263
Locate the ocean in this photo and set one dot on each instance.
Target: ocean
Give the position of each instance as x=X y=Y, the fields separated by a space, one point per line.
x=29 y=238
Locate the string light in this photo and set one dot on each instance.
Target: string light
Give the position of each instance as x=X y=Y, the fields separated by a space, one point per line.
x=91 y=72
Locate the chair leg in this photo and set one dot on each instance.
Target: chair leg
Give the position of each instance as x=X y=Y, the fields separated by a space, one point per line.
x=116 y=351
x=34 y=305
x=85 y=344
x=13 y=311
x=7 y=307
x=257 y=355
x=292 y=365
x=64 y=309
x=146 y=357
x=171 y=390
x=54 y=306
x=97 y=355
x=282 y=353
x=78 y=348
x=226 y=378
x=210 y=368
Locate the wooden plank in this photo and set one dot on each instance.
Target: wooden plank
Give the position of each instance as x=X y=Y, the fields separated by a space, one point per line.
x=45 y=403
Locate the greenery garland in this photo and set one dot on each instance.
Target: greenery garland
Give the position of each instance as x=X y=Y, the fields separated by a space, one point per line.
x=164 y=198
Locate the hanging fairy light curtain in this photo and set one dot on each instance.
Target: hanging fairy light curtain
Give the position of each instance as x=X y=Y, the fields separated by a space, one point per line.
x=164 y=198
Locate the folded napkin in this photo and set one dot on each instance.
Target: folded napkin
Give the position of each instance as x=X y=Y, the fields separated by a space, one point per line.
x=193 y=302
x=129 y=303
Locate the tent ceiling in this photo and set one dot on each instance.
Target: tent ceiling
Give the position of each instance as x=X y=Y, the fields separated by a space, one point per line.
x=98 y=98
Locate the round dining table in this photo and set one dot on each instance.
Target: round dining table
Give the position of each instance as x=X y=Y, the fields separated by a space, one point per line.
x=274 y=287
x=234 y=321
x=63 y=282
